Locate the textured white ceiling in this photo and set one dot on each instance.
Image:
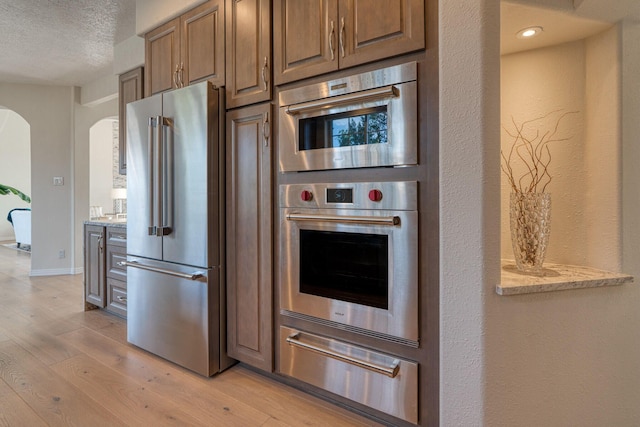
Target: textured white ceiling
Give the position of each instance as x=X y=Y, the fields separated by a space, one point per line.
x=61 y=42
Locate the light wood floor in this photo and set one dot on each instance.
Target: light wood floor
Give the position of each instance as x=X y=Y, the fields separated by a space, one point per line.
x=60 y=366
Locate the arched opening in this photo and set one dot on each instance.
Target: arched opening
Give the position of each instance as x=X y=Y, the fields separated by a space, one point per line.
x=15 y=171
x=106 y=185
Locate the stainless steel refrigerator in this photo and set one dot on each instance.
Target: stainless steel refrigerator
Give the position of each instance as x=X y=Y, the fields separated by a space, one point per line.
x=175 y=227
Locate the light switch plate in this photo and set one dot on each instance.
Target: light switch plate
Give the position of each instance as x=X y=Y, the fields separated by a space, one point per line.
x=58 y=180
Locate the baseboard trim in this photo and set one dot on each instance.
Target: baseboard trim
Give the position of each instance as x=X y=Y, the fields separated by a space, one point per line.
x=57 y=271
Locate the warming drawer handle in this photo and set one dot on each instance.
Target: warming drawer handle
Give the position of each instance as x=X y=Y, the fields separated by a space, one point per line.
x=368 y=220
x=196 y=275
x=346 y=99
x=390 y=371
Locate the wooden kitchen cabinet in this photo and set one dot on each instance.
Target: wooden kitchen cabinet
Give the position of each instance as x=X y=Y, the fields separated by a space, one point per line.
x=130 y=89
x=249 y=236
x=105 y=281
x=94 y=265
x=248 y=52
x=319 y=36
x=116 y=281
x=186 y=50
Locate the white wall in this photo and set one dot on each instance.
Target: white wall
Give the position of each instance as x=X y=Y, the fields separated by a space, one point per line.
x=554 y=359
x=48 y=110
x=469 y=200
x=15 y=165
x=101 y=165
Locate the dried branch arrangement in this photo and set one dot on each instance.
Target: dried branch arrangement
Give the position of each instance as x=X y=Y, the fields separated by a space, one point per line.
x=531 y=149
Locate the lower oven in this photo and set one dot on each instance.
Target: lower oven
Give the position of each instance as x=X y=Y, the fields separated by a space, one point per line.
x=350 y=257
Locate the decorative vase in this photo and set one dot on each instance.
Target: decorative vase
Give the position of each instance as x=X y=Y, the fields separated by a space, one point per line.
x=530 y=215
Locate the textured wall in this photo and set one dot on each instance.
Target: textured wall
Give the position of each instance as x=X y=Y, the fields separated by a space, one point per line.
x=469 y=200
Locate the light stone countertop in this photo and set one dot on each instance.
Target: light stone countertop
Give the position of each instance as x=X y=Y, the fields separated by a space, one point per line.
x=556 y=277
x=121 y=223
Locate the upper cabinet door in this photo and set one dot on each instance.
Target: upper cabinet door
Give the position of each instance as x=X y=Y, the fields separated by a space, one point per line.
x=374 y=29
x=306 y=38
x=162 y=58
x=248 y=52
x=202 y=52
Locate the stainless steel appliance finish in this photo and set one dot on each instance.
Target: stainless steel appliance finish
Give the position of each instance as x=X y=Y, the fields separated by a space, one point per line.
x=350 y=257
x=380 y=381
x=325 y=125
x=175 y=227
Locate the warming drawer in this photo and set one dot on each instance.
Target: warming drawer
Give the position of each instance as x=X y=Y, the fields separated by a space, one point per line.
x=383 y=382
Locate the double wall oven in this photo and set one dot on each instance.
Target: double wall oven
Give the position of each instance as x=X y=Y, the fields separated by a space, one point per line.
x=349 y=250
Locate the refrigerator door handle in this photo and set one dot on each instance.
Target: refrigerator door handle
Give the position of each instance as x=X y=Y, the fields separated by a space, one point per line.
x=150 y=151
x=195 y=276
x=162 y=183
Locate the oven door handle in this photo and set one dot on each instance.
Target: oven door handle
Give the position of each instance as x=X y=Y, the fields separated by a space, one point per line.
x=391 y=370
x=346 y=99
x=347 y=219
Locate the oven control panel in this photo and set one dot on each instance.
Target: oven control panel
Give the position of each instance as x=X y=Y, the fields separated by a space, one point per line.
x=390 y=195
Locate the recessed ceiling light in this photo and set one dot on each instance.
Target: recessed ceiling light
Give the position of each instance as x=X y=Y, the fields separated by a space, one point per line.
x=527 y=33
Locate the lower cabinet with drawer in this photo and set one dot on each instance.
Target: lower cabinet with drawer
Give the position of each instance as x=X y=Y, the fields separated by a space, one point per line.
x=378 y=380
x=105 y=281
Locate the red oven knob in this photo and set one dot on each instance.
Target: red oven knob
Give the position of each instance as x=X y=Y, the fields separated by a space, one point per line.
x=306 y=196
x=375 y=195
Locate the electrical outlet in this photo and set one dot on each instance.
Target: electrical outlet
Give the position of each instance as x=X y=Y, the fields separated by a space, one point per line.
x=61 y=254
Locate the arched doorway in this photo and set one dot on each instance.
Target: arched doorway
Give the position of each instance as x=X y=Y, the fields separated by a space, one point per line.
x=15 y=165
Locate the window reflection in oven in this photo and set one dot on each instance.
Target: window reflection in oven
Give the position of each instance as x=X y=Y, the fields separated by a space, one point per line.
x=365 y=126
x=350 y=267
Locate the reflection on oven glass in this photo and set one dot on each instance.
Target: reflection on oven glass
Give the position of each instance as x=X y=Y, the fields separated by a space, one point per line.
x=350 y=267
x=361 y=127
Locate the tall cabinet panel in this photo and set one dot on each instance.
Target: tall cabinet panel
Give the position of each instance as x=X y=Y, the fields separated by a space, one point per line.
x=307 y=40
x=130 y=89
x=94 y=265
x=248 y=52
x=249 y=236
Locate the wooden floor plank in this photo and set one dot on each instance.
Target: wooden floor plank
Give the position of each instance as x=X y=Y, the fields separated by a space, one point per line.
x=124 y=396
x=209 y=404
x=48 y=395
x=14 y=411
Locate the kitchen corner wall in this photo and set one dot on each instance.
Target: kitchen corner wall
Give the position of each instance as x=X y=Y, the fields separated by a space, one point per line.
x=550 y=359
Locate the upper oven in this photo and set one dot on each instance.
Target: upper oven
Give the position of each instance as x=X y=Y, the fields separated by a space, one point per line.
x=365 y=120
x=350 y=256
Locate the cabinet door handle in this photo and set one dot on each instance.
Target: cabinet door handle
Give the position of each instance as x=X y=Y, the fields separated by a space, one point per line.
x=342 y=36
x=323 y=347
x=265 y=69
x=266 y=130
x=332 y=35
x=181 y=79
x=100 y=248
x=175 y=76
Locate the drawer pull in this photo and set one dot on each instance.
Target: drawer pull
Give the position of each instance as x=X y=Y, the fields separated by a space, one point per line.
x=391 y=370
x=121 y=298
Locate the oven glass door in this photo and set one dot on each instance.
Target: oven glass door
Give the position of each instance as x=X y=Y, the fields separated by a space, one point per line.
x=362 y=275
x=351 y=267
